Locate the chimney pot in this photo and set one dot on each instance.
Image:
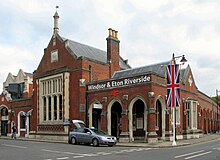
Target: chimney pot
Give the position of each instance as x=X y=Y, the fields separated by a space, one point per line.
x=116 y=34
x=113 y=33
x=110 y=32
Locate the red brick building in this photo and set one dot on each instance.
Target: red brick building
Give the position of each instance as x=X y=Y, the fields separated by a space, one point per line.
x=16 y=103
x=77 y=81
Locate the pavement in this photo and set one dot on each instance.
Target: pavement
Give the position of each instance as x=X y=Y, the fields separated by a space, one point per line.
x=167 y=144
x=160 y=144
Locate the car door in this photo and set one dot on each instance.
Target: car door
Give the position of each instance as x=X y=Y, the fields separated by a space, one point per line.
x=87 y=137
x=80 y=135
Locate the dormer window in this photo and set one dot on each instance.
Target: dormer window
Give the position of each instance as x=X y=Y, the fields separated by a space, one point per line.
x=54 y=56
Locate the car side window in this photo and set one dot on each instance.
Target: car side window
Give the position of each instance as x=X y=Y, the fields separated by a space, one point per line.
x=80 y=130
x=86 y=131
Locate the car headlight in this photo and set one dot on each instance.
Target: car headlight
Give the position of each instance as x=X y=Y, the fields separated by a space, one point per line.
x=104 y=138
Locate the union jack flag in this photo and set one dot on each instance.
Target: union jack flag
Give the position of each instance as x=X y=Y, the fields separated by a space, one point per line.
x=173 y=86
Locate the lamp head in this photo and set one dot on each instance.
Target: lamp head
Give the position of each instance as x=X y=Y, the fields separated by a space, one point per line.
x=183 y=60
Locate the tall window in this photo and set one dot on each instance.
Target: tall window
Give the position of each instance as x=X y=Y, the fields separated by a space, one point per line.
x=191 y=108
x=90 y=73
x=49 y=108
x=55 y=107
x=51 y=99
x=60 y=107
x=44 y=110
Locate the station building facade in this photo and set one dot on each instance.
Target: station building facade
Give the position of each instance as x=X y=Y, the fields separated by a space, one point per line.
x=77 y=81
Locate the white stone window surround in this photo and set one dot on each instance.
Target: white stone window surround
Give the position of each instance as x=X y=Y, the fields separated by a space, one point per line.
x=192 y=108
x=54 y=56
x=47 y=91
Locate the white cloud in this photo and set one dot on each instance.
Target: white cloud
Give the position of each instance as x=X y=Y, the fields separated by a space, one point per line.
x=149 y=30
x=14 y=58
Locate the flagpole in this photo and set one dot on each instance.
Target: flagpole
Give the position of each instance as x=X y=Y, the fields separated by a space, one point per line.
x=174 y=112
x=173 y=89
x=174 y=130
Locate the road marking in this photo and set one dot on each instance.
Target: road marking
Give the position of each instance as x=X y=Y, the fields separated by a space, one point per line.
x=60 y=152
x=90 y=155
x=183 y=155
x=63 y=158
x=78 y=155
x=198 y=155
x=15 y=146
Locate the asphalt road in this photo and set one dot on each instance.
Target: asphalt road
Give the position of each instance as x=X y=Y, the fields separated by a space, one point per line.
x=30 y=150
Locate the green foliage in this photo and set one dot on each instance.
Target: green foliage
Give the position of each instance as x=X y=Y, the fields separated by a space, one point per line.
x=215 y=99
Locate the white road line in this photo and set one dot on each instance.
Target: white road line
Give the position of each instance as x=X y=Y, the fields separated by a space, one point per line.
x=63 y=158
x=78 y=156
x=90 y=155
x=52 y=151
x=198 y=155
x=187 y=154
x=15 y=146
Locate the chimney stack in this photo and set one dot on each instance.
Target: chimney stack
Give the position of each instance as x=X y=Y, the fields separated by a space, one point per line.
x=113 y=56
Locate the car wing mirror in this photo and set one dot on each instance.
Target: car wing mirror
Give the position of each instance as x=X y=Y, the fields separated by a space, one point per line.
x=88 y=132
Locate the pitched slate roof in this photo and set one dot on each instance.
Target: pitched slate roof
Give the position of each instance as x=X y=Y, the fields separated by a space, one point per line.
x=82 y=50
x=155 y=68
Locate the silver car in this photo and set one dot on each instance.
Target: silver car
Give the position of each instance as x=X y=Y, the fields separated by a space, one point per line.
x=90 y=136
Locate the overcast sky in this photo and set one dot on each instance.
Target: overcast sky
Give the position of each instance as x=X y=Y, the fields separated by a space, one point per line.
x=149 y=32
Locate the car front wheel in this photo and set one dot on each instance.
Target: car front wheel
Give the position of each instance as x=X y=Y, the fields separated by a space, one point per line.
x=95 y=142
x=73 y=141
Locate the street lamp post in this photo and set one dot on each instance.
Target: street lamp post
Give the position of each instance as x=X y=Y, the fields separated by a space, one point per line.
x=172 y=84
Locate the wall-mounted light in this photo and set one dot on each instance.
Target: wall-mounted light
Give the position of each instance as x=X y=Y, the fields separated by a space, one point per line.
x=125 y=97
x=104 y=99
x=150 y=94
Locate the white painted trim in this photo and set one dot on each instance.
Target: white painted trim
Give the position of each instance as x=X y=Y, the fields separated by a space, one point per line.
x=130 y=116
x=90 y=112
x=163 y=108
x=109 y=113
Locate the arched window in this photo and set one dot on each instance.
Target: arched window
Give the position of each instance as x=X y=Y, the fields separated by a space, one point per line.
x=4 y=112
x=23 y=118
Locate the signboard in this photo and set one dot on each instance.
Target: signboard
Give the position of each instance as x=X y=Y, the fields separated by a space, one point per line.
x=119 y=83
x=97 y=106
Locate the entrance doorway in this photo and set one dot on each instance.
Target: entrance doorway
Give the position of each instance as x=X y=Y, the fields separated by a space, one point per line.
x=158 y=119
x=4 y=128
x=4 y=121
x=115 y=119
x=96 y=118
x=138 y=120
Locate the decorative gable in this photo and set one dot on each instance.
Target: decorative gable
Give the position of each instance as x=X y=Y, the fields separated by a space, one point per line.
x=188 y=80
